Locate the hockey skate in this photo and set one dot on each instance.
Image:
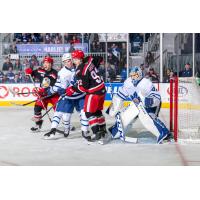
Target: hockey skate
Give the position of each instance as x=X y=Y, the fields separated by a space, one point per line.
x=66 y=133
x=95 y=137
x=106 y=137
x=161 y=137
x=38 y=126
x=50 y=135
x=86 y=135
x=169 y=138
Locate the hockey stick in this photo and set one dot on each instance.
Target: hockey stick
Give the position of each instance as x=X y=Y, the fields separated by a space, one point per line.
x=39 y=95
x=17 y=93
x=25 y=104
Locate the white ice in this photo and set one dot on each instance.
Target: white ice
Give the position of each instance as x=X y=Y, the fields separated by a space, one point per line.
x=18 y=146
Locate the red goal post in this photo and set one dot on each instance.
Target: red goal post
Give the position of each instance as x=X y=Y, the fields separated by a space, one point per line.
x=185 y=109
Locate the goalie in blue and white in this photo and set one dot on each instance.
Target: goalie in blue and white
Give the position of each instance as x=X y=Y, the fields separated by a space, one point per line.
x=145 y=105
x=65 y=105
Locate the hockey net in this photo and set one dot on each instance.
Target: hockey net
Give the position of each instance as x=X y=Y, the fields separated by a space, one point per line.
x=185 y=110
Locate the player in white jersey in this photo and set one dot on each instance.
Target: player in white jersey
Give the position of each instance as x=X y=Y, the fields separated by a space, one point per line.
x=66 y=105
x=143 y=93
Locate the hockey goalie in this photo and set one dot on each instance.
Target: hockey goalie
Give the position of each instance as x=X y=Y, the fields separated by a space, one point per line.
x=145 y=106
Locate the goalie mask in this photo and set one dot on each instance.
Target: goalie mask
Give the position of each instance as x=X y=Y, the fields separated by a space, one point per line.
x=46 y=82
x=136 y=74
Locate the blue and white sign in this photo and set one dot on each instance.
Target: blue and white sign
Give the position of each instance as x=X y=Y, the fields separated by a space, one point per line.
x=48 y=48
x=111 y=88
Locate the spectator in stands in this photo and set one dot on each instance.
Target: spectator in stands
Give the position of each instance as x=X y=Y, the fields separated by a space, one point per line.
x=17 y=65
x=170 y=75
x=111 y=72
x=75 y=40
x=66 y=38
x=4 y=79
x=93 y=47
x=102 y=70
x=47 y=38
x=18 y=37
x=86 y=37
x=123 y=73
x=149 y=58
x=152 y=75
x=187 y=72
x=24 y=38
x=96 y=37
x=71 y=48
x=25 y=64
x=17 y=79
x=7 y=64
x=144 y=70
x=13 y=49
x=36 y=37
x=111 y=58
x=33 y=62
x=21 y=75
x=10 y=75
x=1 y=76
x=56 y=38
x=115 y=50
x=98 y=47
x=26 y=79
x=123 y=54
x=137 y=43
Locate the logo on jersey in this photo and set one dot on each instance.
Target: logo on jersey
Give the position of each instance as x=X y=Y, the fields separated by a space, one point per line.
x=3 y=92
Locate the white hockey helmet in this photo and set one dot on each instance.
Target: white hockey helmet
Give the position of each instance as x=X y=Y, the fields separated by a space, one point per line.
x=136 y=73
x=66 y=56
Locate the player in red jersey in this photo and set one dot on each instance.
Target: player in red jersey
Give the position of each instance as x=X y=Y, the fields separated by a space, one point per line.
x=47 y=77
x=90 y=82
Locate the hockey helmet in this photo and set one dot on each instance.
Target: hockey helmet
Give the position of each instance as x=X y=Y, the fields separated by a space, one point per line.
x=136 y=73
x=48 y=59
x=78 y=54
x=66 y=56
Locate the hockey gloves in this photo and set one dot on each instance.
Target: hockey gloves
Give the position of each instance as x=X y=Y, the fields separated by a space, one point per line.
x=28 y=71
x=41 y=92
x=70 y=91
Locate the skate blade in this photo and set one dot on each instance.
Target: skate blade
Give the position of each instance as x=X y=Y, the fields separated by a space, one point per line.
x=54 y=137
x=105 y=140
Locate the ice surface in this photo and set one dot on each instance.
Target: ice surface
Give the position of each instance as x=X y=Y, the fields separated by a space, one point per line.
x=18 y=146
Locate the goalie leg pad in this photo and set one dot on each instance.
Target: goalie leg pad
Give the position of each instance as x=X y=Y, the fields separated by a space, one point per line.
x=117 y=130
x=115 y=106
x=154 y=125
x=128 y=115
